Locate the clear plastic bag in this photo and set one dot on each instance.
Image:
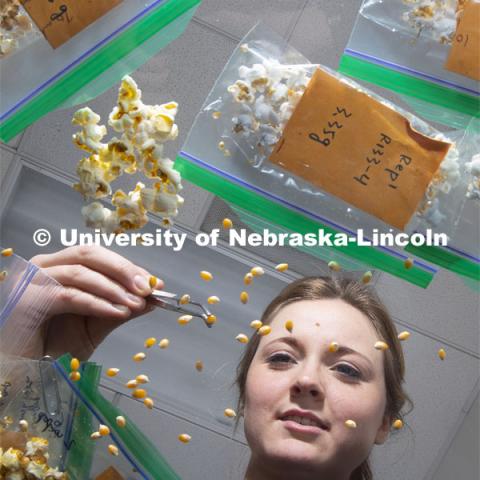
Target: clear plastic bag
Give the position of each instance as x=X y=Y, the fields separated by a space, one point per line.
x=403 y=46
x=239 y=142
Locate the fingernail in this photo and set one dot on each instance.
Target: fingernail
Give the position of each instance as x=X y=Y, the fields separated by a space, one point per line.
x=134 y=299
x=122 y=308
x=142 y=283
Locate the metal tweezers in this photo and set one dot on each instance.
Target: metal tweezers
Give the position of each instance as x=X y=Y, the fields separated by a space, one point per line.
x=171 y=301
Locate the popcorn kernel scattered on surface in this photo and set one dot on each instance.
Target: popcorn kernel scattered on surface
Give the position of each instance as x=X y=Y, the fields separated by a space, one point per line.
x=198 y=365
x=334 y=266
x=74 y=364
x=256 y=324
x=289 y=325
x=207 y=276
x=184 y=299
x=152 y=281
x=103 y=430
x=248 y=278
x=74 y=376
x=230 y=413
x=264 y=330
x=95 y=436
x=142 y=379
x=212 y=300
x=367 y=277
x=184 y=437
x=148 y=402
x=7 y=252
x=139 y=393
x=350 y=424
x=442 y=354
x=244 y=297
x=282 y=267
x=242 y=338
x=164 y=343
x=150 y=342
x=221 y=145
x=184 y=319
x=227 y=223
x=112 y=372
x=257 y=271
x=404 y=335
x=408 y=263
x=333 y=347
x=121 y=422
x=211 y=319
x=139 y=357
x=381 y=346
x=131 y=384
x=113 y=450
x=397 y=424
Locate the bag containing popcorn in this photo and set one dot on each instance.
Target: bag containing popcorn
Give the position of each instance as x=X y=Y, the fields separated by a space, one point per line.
x=324 y=146
x=427 y=50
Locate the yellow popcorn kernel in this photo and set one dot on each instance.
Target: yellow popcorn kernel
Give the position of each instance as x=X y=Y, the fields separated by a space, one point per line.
x=404 y=335
x=211 y=319
x=139 y=393
x=74 y=376
x=248 y=278
x=381 y=346
x=164 y=343
x=397 y=424
x=334 y=266
x=221 y=145
x=131 y=384
x=184 y=319
x=198 y=365
x=230 y=413
x=257 y=271
x=184 y=437
x=227 y=152
x=148 y=402
x=150 y=342
x=112 y=372
x=103 y=430
x=184 y=299
x=113 y=450
x=442 y=354
x=95 y=436
x=242 y=338
x=216 y=115
x=282 y=267
x=408 y=263
x=367 y=276
x=227 y=223
x=207 y=276
x=264 y=330
x=152 y=281
x=333 y=347
x=23 y=424
x=142 y=379
x=7 y=252
x=139 y=357
x=256 y=324
x=350 y=424
x=74 y=364
x=121 y=422
x=212 y=300
x=289 y=325
x=244 y=297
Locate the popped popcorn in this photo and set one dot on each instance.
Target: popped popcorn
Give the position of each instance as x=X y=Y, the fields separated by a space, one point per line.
x=473 y=168
x=144 y=129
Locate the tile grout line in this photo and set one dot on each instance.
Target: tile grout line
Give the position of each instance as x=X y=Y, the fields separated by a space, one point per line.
x=294 y=24
x=216 y=29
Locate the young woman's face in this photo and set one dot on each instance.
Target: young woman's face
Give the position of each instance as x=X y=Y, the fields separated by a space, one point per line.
x=299 y=394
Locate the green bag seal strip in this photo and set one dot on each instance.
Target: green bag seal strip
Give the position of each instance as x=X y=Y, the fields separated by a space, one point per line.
x=410 y=85
x=448 y=260
x=296 y=222
x=94 y=65
x=137 y=444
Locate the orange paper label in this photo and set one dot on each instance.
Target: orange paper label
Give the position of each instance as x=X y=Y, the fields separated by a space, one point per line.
x=354 y=147
x=464 y=56
x=60 y=20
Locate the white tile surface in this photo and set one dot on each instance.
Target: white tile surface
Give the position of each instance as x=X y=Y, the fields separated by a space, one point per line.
x=6 y=159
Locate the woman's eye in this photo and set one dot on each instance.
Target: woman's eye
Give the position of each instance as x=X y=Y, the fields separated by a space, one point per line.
x=348 y=370
x=280 y=359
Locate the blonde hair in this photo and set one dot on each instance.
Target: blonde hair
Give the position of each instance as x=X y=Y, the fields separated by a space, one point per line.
x=364 y=299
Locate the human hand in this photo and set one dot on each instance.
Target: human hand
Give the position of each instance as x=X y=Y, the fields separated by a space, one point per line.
x=100 y=291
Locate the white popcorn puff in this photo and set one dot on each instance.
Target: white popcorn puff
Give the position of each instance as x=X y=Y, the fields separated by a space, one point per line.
x=15 y=475
x=36 y=469
x=473 y=167
x=144 y=129
x=11 y=458
x=36 y=446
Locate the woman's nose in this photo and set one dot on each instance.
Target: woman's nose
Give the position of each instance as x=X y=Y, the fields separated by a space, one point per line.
x=306 y=385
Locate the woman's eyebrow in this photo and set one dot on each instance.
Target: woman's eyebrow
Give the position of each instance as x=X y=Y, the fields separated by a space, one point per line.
x=292 y=341
x=343 y=350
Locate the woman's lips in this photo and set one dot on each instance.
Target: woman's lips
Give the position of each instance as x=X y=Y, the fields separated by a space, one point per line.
x=301 y=421
x=296 y=427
